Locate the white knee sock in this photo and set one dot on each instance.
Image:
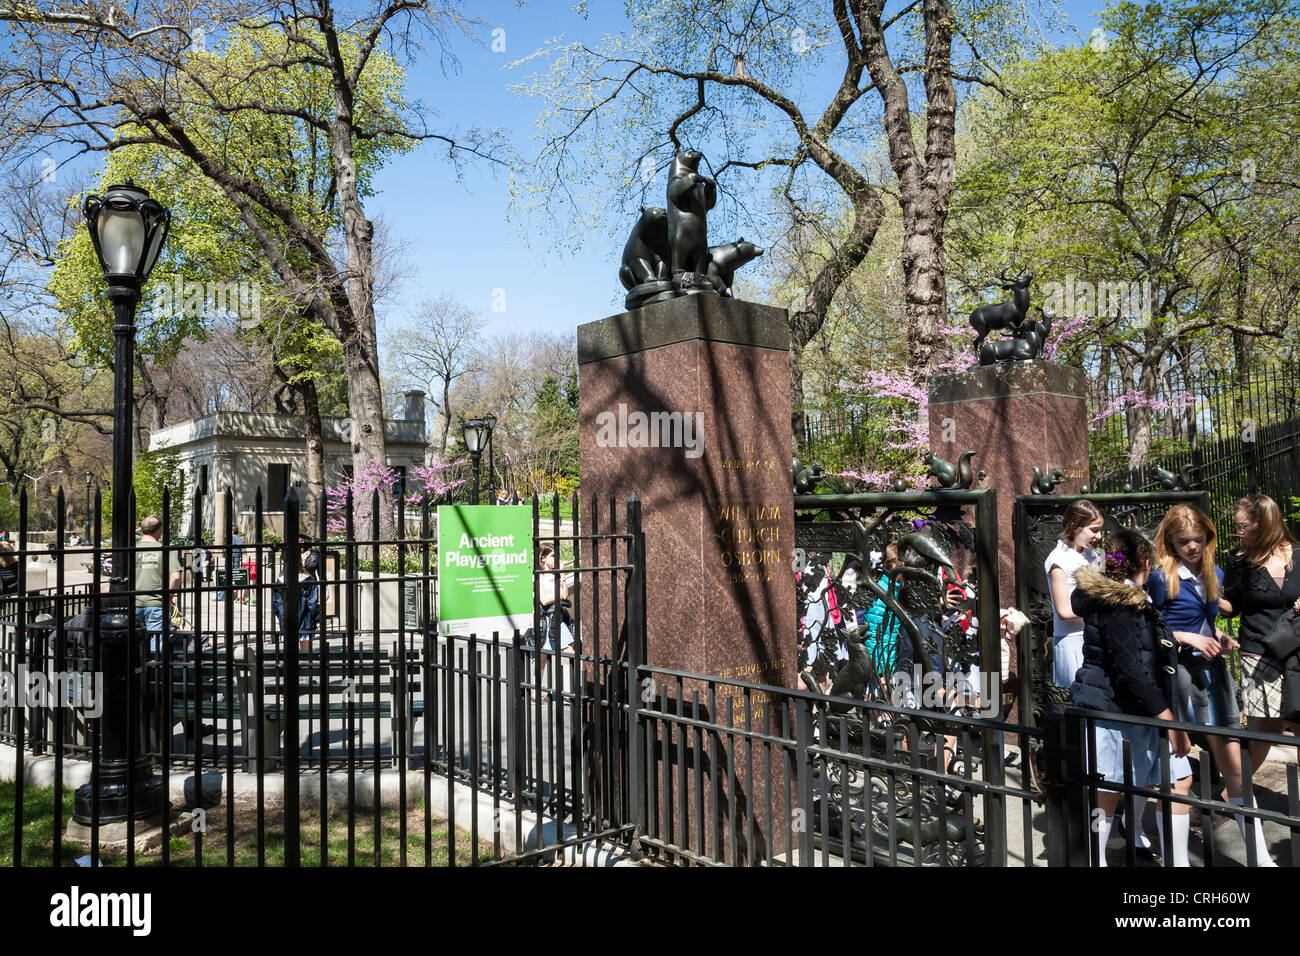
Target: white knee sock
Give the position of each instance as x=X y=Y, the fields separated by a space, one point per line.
x=1261 y=848
x=1178 y=845
x=1134 y=826
x=1103 y=824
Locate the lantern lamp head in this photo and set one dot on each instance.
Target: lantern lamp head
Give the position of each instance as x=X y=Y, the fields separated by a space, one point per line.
x=474 y=431
x=127 y=229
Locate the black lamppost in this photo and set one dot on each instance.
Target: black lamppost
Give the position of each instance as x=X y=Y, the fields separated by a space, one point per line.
x=475 y=432
x=491 y=420
x=127 y=229
x=88 y=538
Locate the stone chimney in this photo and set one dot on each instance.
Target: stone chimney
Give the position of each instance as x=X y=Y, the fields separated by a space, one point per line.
x=414 y=406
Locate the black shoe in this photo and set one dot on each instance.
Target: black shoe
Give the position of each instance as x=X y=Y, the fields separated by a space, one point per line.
x=1149 y=851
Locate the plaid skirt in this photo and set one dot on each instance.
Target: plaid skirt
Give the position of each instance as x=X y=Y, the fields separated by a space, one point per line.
x=1261 y=686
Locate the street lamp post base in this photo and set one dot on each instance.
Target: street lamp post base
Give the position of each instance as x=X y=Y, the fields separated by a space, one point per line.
x=148 y=797
x=147 y=835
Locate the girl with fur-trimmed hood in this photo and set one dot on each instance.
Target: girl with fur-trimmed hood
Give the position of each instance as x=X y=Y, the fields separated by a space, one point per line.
x=1129 y=667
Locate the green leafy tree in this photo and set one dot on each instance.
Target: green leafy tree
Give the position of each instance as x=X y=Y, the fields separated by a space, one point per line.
x=1151 y=179
x=556 y=414
x=8 y=509
x=91 y=78
x=157 y=473
x=214 y=266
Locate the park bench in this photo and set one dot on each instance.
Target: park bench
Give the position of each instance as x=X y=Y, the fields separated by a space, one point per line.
x=201 y=694
x=334 y=688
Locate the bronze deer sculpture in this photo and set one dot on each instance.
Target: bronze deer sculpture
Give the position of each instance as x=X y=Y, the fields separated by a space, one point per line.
x=1003 y=315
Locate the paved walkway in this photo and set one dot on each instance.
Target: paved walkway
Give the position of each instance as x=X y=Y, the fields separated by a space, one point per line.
x=1229 y=848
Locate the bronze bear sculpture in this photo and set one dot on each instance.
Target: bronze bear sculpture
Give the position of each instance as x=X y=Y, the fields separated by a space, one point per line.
x=690 y=197
x=646 y=255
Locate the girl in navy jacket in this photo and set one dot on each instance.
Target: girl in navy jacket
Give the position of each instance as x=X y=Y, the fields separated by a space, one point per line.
x=1129 y=668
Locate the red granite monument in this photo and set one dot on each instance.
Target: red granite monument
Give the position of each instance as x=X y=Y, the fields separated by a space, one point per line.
x=686 y=403
x=1016 y=417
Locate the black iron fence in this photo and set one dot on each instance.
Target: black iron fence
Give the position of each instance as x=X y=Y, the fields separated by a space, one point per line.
x=1228 y=434
x=846 y=428
x=379 y=740
x=295 y=697
x=1193 y=407
x=808 y=779
x=1259 y=458
x=1078 y=812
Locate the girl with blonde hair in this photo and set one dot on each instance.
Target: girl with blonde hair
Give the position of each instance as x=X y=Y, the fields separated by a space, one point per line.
x=1185 y=586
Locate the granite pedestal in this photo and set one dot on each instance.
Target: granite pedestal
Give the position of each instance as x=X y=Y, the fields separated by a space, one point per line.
x=1016 y=417
x=686 y=403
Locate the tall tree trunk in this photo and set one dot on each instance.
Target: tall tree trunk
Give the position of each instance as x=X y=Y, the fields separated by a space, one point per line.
x=1103 y=378
x=1243 y=348
x=445 y=409
x=365 y=401
x=1140 y=417
x=361 y=348
x=150 y=407
x=926 y=299
x=315 y=454
x=1243 y=345
x=924 y=270
x=798 y=417
x=924 y=187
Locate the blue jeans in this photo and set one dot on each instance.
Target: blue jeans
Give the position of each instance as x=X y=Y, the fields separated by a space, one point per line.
x=151 y=619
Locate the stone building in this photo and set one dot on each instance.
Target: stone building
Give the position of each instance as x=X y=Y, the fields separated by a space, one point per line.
x=245 y=451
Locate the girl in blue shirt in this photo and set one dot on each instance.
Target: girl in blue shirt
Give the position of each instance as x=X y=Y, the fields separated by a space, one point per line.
x=1185 y=587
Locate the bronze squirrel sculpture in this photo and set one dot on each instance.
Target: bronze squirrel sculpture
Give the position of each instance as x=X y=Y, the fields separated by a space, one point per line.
x=1045 y=484
x=960 y=475
x=1183 y=481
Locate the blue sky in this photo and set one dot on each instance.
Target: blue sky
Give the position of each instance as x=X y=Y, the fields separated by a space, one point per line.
x=460 y=242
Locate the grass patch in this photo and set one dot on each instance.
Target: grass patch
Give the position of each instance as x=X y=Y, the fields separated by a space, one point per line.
x=215 y=846
x=547 y=513
x=38 y=825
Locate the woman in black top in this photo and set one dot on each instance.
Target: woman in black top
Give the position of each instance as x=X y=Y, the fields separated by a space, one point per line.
x=1260 y=582
x=8 y=569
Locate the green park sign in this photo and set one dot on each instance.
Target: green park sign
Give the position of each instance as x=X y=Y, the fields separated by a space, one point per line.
x=485 y=569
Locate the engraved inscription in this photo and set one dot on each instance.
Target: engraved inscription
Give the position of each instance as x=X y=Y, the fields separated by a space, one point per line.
x=759 y=672
x=750 y=536
x=749 y=460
